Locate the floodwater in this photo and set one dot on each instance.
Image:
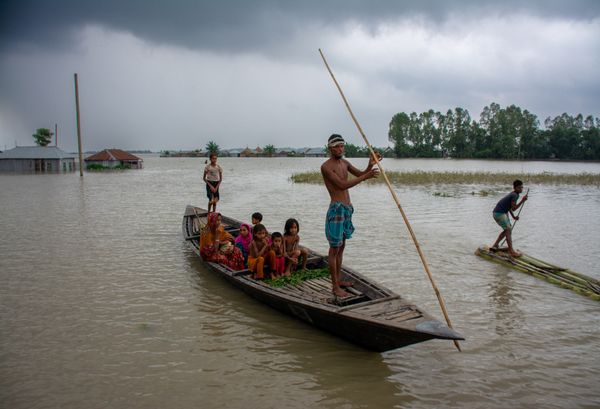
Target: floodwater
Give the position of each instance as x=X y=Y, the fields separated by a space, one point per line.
x=102 y=305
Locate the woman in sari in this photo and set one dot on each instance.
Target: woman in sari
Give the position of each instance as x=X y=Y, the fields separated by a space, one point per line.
x=216 y=245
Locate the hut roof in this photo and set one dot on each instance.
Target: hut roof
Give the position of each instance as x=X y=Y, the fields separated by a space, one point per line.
x=314 y=151
x=35 y=152
x=113 y=154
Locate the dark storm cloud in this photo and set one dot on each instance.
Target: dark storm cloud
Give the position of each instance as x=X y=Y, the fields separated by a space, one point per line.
x=230 y=26
x=172 y=75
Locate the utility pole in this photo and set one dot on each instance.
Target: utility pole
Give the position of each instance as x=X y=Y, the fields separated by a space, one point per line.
x=78 y=126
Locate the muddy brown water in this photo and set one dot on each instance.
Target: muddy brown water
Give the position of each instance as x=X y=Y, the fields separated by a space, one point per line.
x=102 y=305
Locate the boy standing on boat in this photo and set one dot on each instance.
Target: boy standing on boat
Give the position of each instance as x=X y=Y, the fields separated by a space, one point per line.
x=213 y=175
x=338 y=223
x=508 y=204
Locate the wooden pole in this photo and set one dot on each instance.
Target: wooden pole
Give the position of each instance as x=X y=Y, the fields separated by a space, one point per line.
x=393 y=192
x=78 y=126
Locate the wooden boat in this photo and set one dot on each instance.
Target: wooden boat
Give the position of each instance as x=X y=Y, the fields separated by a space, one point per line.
x=371 y=316
x=563 y=277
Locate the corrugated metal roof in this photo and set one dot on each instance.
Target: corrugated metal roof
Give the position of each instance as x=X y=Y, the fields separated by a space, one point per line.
x=113 y=154
x=314 y=151
x=35 y=152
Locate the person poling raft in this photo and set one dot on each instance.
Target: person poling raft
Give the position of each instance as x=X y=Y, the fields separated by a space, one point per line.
x=508 y=256
x=507 y=205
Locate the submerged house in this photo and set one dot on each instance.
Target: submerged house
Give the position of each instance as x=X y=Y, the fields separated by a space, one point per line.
x=111 y=158
x=36 y=159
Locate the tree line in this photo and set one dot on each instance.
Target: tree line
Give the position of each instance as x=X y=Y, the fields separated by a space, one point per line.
x=500 y=133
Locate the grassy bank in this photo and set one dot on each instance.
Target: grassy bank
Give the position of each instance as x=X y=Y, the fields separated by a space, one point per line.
x=430 y=178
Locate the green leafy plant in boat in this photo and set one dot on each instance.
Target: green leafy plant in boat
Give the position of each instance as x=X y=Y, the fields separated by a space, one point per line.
x=298 y=276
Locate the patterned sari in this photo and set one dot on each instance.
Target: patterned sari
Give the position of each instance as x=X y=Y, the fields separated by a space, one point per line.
x=228 y=255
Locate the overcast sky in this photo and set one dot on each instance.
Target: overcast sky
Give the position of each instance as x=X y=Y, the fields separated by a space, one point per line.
x=177 y=74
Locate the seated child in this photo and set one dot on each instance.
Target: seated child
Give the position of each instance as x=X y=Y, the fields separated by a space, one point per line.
x=277 y=255
x=243 y=240
x=293 y=250
x=258 y=251
x=257 y=218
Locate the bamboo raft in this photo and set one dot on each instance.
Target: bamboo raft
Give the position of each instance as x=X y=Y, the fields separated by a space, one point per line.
x=560 y=276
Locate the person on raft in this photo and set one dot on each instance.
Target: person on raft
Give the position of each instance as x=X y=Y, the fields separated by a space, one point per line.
x=338 y=222
x=508 y=204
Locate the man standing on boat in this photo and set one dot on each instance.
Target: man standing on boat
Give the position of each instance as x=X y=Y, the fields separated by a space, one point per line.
x=508 y=204
x=338 y=223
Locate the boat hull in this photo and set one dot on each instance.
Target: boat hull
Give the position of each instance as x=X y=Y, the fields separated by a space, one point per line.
x=373 y=317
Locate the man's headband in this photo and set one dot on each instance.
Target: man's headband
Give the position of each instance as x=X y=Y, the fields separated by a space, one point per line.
x=335 y=140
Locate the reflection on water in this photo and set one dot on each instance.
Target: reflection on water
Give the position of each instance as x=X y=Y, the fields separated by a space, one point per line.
x=505 y=302
x=103 y=305
x=271 y=350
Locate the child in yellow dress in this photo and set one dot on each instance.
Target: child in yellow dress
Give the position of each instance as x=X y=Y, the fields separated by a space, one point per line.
x=259 y=251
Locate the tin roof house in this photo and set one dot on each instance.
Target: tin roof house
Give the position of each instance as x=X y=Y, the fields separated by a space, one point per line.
x=315 y=153
x=112 y=158
x=36 y=159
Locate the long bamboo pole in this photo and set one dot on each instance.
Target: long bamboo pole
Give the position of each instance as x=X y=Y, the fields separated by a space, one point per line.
x=393 y=192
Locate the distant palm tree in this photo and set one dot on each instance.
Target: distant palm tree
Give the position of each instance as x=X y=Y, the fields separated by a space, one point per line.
x=269 y=150
x=212 y=147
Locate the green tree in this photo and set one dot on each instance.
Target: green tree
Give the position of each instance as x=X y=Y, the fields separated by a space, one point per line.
x=530 y=143
x=269 y=150
x=42 y=136
x=564 y=135
x=460 y=142
x=212 y=147
x=399 y=134
x=351 y=150
x=499 y=126
x=431 y=133
x=502 y=133
x=590 y=144
x=590 y=138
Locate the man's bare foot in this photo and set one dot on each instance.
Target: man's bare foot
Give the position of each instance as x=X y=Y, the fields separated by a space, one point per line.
x=340 y=293
x=346 y=283
x=515 y=254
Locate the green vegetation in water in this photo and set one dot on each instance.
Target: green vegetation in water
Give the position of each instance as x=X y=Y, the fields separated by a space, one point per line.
x=483 y=193
x=443 y=194
x=97 y=167
x=430 y=178
x=298 y=276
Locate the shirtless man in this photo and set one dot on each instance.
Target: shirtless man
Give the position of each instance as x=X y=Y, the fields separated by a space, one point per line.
x=338 y=224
